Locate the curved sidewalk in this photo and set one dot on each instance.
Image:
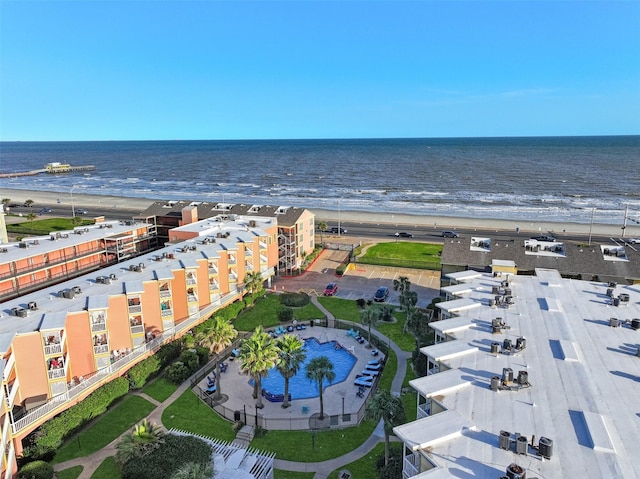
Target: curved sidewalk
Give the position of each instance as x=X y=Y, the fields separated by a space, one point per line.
x=322 y=469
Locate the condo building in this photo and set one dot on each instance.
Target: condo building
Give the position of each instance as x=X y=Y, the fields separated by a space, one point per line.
x=531 y=376
x=81 y=307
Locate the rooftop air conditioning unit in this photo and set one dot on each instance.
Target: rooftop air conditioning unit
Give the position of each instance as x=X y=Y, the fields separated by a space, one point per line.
x=112 y=277
x=132 y=267
x=36 y=242
x=516 y=472
x=137 y=269
x=252 y=223
x=22 y=313
x=77 y=289
x=33 y=305
x=545 y=447
x=52 y=238
x=22 y=244
x=4 y=250
x=109 y=225
x=67 y=293
x=141 y=265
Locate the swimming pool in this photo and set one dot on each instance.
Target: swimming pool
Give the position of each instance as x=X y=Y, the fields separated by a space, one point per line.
x=302 y=388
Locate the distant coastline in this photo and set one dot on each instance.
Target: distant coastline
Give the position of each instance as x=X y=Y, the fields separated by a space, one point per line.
x=136 y=205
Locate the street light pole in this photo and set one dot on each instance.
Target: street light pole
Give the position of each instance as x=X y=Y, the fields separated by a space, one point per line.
x=339 y=229
x=593 y=210
x=73 y=210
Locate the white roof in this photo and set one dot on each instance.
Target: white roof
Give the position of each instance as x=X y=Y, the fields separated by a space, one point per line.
x=448 y=350
x=584 y=384
x=452 y=325
x=457 y=289
x=440 y=384
x=432 y=430
x=457 y=305
x=505 y=263
x=460 y=276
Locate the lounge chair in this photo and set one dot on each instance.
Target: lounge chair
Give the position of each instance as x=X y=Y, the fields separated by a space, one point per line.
x=374 y=367
x=365 y=381
x=210 y=389
x=223 y=367
x=351 y=332
x=373 y=362
x=375 y=352
x=370 y=372
x=360 y=394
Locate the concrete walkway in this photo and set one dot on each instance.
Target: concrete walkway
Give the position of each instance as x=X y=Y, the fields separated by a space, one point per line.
x=322 y=469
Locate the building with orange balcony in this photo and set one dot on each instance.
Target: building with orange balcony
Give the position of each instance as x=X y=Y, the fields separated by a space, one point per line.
x=39 y=261
x=295 y=226
x=61 y=342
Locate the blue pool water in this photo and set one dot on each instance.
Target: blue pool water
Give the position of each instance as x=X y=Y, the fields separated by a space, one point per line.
x=302 y=388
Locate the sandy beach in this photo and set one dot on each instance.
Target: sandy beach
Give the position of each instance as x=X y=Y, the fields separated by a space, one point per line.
x=137 y=205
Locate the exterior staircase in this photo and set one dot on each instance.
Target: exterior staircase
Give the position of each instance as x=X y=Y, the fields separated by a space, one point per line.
x=245 y=435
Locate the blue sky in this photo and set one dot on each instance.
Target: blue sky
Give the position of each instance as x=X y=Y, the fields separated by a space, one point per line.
x=126 y=70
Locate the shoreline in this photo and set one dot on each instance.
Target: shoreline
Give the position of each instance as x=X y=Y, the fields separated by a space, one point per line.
x=136 y=205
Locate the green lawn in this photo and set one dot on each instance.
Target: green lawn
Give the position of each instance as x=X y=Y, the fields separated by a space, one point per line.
x=299 y=445
x=389 y=371
x=190 y=414
x=265 y=312
x=404 y=254
x=345 y=309
x=363 y=467
x=107 y=470
x=43 y=227
x=71 y=473
x=160 y=389
x=393 y=331
x=105 y=428
x=280 y=474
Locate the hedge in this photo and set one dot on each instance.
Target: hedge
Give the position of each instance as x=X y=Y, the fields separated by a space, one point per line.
x=51 y=433
x=141 y=372
x=162 y=462
x=36 y=470
x=295 y=300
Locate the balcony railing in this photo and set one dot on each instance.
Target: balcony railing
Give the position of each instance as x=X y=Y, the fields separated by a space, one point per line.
x=99 y=326
x=424 y=410
x=101 y=349
x=166 y=312
x=137 y=329
x=57 y=373
x=62 y=400
x=8 y=367
x=192 y=281
x=135 y=309
x=232 y=260
x=263 y=259
x=55 y=348
x=12 y=390
x=192 y=298
x=165 y=294
x=410 y=468
x=263 y=245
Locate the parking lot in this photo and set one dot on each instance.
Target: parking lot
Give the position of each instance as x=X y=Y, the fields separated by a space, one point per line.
x=360 y=281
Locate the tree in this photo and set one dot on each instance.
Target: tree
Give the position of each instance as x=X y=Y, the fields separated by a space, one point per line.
x=317 y=370
x=216 y=337
x=30 y=218
x=292 y=355
x=258 y=354
x=253 y=283
x=401 y=285
x=408 y=301
x=370 y=316
x=144 y=438
x=76 y=221
x=29 y=204
x=194 y=470
x=322 y=227
x=388 y=407
x=5 y=203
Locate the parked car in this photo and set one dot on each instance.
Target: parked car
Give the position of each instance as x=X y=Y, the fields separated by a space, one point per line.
x=449 y=234
x=337 y=230
x=633 y=241
x=543 y=238
x=404 y=234
x=381 y=294
x=331 y=289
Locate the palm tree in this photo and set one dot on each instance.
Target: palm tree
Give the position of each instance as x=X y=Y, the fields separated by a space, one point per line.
x=29 y=203
x=218 y=336
x=253 y=283
x=144 y=438
x=388 y=407
x=76 y=221
x=322 y=227
x=318 y=369
x=401 y=284
x=258 y=354
x=370 y=316
x=30 y=218
x=408 y=301
x=5 y=203
x=292 y=355
x=194 y=470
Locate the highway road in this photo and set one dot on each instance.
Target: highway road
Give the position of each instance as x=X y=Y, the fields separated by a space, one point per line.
x=355 y=230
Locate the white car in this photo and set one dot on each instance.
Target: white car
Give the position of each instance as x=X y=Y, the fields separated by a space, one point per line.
x=633 y=241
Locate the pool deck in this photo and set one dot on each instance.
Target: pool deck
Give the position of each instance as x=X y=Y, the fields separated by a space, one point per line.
x=235 y=385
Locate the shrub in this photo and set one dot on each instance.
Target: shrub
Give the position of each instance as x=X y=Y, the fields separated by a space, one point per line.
x=36 y=470
x=141 y=372
x=177 y=373
x=340 y=269
x=285 y=314
x=166 y=459
x=295 y=300
x=51 y=433
x=169 y=352
x=394 y=468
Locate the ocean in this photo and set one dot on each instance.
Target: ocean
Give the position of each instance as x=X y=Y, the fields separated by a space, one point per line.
x=547 y=178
